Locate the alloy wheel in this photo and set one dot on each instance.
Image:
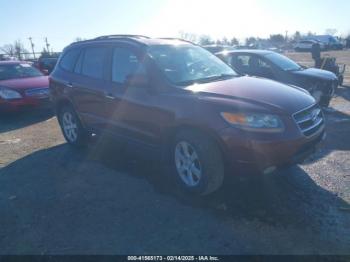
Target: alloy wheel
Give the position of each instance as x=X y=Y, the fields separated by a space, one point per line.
x=187 y=164
x=70 y=126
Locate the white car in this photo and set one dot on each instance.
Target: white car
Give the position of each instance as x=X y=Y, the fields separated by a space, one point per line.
x=306 y=45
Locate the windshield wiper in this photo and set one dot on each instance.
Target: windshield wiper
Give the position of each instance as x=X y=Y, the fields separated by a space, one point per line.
x=293 y=69
x=207 y=79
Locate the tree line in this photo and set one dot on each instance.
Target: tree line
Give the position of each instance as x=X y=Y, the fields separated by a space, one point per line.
x=274 y=39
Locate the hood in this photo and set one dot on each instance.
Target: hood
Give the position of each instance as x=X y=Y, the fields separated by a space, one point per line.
x=316 y=73
x=269 y=94
x=24 y=83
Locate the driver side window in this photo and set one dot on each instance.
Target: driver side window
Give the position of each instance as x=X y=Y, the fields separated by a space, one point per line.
x=125 y=64
x=240 y=63
x=261 y=68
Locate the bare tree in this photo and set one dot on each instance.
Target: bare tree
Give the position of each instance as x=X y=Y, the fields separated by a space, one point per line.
x=78 y=39
x=16 y=49
x=297 y=36
x=188 y=36
x=205 y=40
x=234 y=41
x=225 y=41
x=250 y=41
x=277 y=39
x=8 y=49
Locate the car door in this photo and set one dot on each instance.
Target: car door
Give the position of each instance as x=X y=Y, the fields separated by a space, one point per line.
x=251 y=64
x=263 y=68
x=131 y=106
x=90 y=85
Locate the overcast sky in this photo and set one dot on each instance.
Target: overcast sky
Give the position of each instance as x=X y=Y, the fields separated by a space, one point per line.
x=62 y=21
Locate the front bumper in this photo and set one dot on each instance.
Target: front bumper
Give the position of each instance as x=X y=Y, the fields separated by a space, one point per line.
x=261 y=152
x=14 y=105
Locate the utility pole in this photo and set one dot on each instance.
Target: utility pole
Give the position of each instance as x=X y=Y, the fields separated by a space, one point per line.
x=32 y=45
x=47 y=45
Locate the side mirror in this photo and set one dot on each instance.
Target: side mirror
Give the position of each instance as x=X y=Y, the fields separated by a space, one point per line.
x=137 y=80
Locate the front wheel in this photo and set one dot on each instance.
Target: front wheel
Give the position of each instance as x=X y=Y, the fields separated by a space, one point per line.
x=320 y=98
x=198 y=163
x=72 y=129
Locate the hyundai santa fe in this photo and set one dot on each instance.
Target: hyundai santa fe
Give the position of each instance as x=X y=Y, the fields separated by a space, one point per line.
x=181 y=101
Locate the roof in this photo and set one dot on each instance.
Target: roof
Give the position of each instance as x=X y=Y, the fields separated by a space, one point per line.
x=138 y=39
x=249 y=51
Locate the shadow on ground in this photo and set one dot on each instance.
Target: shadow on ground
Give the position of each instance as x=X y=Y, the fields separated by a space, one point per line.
x=287 y=197
x=16 y=120
x=63 y=200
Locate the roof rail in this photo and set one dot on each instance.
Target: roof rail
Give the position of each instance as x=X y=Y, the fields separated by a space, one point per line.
x=176 y=38
x=120 y=36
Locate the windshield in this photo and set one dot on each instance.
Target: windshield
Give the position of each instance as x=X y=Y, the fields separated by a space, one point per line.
x=283 y=62
x=12 y=71
x=188 y=64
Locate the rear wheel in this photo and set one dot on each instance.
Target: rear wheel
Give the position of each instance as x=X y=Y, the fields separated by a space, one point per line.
x=198 y=163
x=341 y=80
x=72 y=129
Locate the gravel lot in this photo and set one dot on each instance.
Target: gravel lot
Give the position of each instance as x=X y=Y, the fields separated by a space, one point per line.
x=104 y=200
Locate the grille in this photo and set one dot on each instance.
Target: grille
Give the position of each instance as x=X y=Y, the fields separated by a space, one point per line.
x=309 y=120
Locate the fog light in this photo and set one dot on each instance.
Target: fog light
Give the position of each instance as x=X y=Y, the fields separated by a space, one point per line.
x=269 y=170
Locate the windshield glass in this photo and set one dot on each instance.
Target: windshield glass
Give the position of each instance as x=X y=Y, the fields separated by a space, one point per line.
x=188 y=64
x=283 y=62
x=12 y=71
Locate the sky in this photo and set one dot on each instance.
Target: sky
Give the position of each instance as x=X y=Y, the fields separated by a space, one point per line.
x=62 y=21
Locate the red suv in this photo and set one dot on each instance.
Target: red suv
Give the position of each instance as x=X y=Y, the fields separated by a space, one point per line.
x=177 y=99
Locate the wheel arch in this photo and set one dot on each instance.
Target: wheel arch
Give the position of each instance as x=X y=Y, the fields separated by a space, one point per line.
x=59 y=104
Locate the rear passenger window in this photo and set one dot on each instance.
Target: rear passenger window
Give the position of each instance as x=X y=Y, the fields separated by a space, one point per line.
x=125 y=64
x=93 y=63
x=69 y=59
x=79 y=63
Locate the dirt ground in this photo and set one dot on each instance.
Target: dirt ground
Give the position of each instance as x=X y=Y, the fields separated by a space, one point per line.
x=104 y=200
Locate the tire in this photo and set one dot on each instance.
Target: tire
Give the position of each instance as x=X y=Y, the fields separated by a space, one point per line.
x=317 y=94
x=341 y=80
x=72 y=128
x=206 y=171
x=325 y=101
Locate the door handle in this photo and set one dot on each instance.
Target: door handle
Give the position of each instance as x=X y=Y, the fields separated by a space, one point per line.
x=69 y=85
x=109 y=96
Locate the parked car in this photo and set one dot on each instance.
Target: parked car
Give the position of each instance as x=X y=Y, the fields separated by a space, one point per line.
x=178 y=100
x=21 y=85
x=319 y=83
x=306 y=45
x=46 y=64
x=328 y=41
x=218 y=48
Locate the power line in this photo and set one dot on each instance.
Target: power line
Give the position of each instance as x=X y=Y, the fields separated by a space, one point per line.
x=47 y=45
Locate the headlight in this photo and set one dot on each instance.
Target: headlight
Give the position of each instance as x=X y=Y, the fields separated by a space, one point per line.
x=254 y=122
x=6 y=93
